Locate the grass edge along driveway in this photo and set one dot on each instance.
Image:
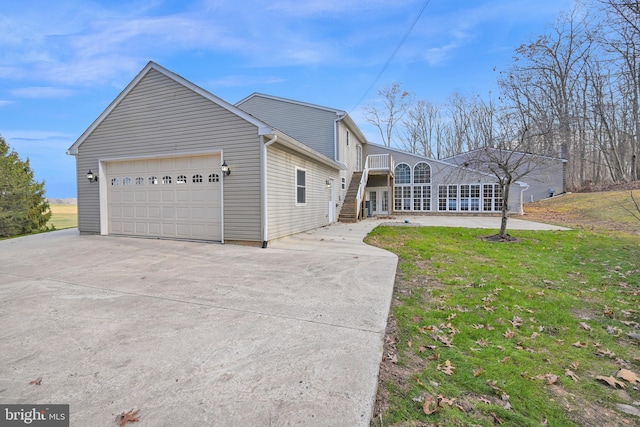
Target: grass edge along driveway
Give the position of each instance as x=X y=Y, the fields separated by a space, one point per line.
x=532 y=332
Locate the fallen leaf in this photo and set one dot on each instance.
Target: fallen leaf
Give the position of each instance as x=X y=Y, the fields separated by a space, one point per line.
x=128 y=417
x=434 y=357
x=571 y=374
x=610 y=354
x=505 y=359
x=574 y=365
x=628 y=375
x=477 y=372
x=611 y=381
x=580 y=344
x=444 y=340
x=37 y=381
x=442 y=399
x=584 y=326
x=534 y=335
x=516 y=321
x=496 y=418
x=509 y=334
x=476 y=326
x=410 y=343
x=485 y=400
x=427 y=404
x=447 y=369
x=417 y=319
x=483 y=342
x=549 y=378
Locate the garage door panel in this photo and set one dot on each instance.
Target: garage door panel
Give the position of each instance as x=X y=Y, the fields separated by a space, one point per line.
x=183 y=195
x=128 y=212
x=170 y=197
x=141 y=196
x=154 y=196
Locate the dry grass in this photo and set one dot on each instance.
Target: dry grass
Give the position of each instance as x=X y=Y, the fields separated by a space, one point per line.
x=63 y=216
x=602 y=211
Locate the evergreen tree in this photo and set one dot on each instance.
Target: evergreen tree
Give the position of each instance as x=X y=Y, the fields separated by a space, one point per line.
x=23 y=207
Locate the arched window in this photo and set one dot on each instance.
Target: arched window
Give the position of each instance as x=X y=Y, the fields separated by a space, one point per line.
x=115 y=181
x=422 y=173
x=139 y=180
x=126 y=180
x=402 y=189
x=214 y=177
x=181 y=179
x=166 y=179
x=197 y=178
x=403 y=174
x=153 y=180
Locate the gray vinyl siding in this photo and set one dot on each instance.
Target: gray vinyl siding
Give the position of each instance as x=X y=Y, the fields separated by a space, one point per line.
x=546 y=172
x=284 y=217
x=313 y=127
x=443 y=173
x=160 y=116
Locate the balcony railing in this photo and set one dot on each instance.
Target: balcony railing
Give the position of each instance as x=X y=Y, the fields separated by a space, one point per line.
x=379 y=162
x=374 y=162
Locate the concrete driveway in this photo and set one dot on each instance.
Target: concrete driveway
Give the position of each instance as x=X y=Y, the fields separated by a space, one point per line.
x=196 y=334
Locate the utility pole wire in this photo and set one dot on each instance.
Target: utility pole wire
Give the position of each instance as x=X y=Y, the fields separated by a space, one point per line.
x=393 y=54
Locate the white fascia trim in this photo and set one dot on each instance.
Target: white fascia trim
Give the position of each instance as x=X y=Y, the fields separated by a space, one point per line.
x=263 y=128
x=290 y=101
x=301 y=148
x=162 y=155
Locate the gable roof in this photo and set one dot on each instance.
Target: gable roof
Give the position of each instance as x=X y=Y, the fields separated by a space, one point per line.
x=467 y=154
x=263 y=128
x=342 y=115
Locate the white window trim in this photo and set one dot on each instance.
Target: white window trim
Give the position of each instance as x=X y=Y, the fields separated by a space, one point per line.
x=306 y=180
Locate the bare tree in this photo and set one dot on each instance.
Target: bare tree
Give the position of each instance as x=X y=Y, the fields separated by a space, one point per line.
x=545 y=77
x=423 y=127
x=387 y=113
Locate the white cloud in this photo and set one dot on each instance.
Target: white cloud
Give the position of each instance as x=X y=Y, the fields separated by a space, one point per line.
x=4 y=103
x=41 y=92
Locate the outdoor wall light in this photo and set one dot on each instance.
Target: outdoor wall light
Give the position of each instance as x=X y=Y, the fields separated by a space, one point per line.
x=92 y=177
x=328 y=183
x=225 y=168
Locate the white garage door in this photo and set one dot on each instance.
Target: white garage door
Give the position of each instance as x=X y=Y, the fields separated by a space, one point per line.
x=176 y=197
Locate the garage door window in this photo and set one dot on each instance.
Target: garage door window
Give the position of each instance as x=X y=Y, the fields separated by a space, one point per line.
x=197 y=178
x=166 y=179
x=181 y=179
x=214 y=177
x=139 y=180
x=115 y=181
x=126 y=181
x=153 y=180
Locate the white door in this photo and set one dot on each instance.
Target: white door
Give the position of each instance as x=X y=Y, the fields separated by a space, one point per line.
x=332 y=202
x=379 y=201
x=177 y=197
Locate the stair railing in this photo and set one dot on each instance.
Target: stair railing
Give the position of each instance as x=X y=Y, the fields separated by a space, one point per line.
x=361 y=188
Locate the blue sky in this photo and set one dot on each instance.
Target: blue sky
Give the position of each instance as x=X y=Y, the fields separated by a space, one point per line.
x=62 y=62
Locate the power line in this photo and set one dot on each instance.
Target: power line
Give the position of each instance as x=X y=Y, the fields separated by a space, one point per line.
x=394 y=53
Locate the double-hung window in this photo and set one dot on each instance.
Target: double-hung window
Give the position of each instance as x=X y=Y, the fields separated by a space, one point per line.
x=301 y=187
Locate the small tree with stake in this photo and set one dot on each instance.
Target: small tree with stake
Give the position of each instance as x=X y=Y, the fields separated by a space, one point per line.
x=509 y=158
x=23 y=207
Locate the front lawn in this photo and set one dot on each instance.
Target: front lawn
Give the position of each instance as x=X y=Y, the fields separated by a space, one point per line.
x=517 y=333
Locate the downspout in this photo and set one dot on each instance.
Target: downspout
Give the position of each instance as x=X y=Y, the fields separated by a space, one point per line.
x=263 y=183
x=335 y=135
x=524 y=187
